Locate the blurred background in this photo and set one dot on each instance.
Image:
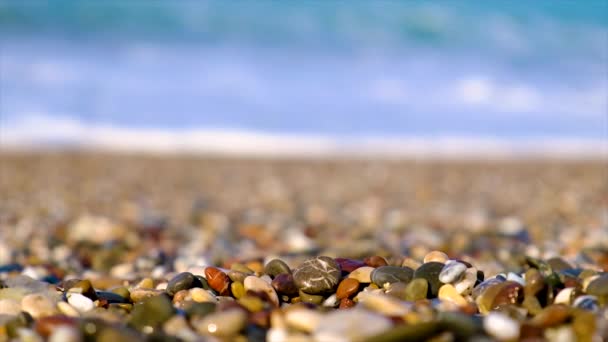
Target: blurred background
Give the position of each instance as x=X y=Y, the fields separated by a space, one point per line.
x=276 y=78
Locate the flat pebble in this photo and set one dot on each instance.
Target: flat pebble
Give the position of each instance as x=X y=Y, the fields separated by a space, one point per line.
x=253 y=283
x=317 y=275
x=391 y=274
x=347 y=288
x=452 y=271
x=80 y=302
x=362 y=274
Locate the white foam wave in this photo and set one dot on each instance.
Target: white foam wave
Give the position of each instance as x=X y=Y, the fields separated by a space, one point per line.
x=35 y=132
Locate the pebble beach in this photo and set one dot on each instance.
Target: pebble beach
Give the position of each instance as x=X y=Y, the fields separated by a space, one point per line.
x=118 y=247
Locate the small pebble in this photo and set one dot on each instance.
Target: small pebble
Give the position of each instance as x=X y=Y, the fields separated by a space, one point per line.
x=501 y=326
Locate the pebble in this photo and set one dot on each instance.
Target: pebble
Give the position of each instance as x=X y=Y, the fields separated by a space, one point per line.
x=430 y=271
x=38 y=305
x=200 y=295
x=275 y=267
x=501 y=326
x=417 y=289
x=391 y=274
x=224 y=324
x=375 y=261
x=586 y=302
x=253 y=283
x=436 y=256
x=182 y=281
x=452 y=271
x=448 y=293
x=347 y=288
x=362 y=274
x=564 y=296
x=317 y=275
x=285 y=285
x=152 y=312
x=349 y=265
x=80 y=302
x=67 y=309
x=65 y=334
x=217 y=280
x=466 y=284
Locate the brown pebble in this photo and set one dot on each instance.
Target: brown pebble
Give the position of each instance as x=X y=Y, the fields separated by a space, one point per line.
x=285 y=285
x=375 y=261
x=347 y=288
x=552 y=315
x=510 y=293
x=218 y=280
x=349 y=265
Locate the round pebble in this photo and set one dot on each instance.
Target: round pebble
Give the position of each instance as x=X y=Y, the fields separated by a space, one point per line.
x=391 y=274
x=317 y=275
x=501 y=326
x=452 y=271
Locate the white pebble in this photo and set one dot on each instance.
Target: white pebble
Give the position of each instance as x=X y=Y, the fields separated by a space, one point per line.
x=80 y=302
x=516 y=278
x=501 y=326
x=564 y=296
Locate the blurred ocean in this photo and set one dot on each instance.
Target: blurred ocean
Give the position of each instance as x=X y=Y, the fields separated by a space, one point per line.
x=305 y=76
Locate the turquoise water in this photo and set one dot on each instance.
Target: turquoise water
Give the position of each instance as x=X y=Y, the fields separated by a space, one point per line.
x=510 y=69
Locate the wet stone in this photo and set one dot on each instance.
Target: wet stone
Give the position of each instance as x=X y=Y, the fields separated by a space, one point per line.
x=275 y=267
x=317 y=275
x=217 y=280
x=430 y=272
x=452 y=272
x=417 y=289
x=347 y=288
x=152 y=312
x=391 y=274
x=285 y=285
x=182 y=281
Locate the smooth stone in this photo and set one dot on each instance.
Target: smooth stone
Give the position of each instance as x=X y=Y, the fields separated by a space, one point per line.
x=182 y=281
x=331 y=301
x=598 y=286
x=416 y=289
x=375 y=261
x=67 y=309
x=275 y=267
x=486 y=299
x=317 y=275
x=349 y=265
x=237 y=276
x=436 y=256
x=396 y=290
x=483 y=286
x=252 y=303
x=354 y=325
x=80 y=302
x=217 y=280
x=309 y=298
x=253 y=283
x=516 y=278
x=9 y=307
x=38 y=305
x=452 y=271
x=285 y=285
x=200 y=295
x=466 y=284
x=391 y=274
x=448 y=293
x=138 y=295
x=152 y=312
x=430 y=271
x=237 y=289
x=362 y=274
x=347 y=288
x=383 y=304
x=241 y=268
x=85 y=288
x=112 y=297
x=564 y=296
x=586 y=302
x=200 y=309
x=501 y=326
x=302 y=319
x=224 y=324
x=552 y=315
x=510 y=293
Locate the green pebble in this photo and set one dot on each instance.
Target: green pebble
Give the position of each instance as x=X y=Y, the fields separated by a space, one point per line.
x=430 y=271
x=182 y=281
x=275 y=267
x=152 y=311
x=309 y=298
x=391 y=274
x=417 y=289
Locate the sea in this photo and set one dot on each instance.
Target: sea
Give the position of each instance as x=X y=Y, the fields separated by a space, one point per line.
x=309 y=77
